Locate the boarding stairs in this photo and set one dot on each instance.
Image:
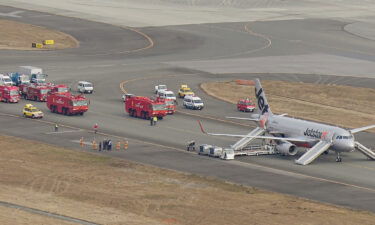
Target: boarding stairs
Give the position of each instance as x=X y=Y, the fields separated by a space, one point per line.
x=314 y=152
x=366 y=151
x=245 y=141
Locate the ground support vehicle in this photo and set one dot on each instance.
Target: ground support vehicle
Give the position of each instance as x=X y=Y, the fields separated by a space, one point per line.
x=166 y=94
x=67 y=104
x=245 y=105
x=144 y=107
x=229 y=153
x=215 y=151
x=18 y=78
x=32 y=112
x=160 y=87
x=85 y=87
x=35 y=92
x=204 y=149
x=193 y=102
x=35 y=73
x=9 y=94
x=184 y=90
x=5 y=80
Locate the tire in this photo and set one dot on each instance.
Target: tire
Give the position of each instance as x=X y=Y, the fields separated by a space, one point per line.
x=81 y=113
x=32 y=116
x=147 y=117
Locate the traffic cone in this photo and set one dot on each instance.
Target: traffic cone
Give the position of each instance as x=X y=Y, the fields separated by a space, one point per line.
x=81 y=143
x=126 y=145
x=118 y=146
x=94 y=146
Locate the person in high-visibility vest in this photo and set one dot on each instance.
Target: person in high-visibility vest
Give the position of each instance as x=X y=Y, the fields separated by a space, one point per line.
x=155 y=119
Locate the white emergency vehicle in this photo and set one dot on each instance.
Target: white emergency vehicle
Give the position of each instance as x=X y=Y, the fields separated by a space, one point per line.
x=85 y=87
x=193 y=102
x=166 y=94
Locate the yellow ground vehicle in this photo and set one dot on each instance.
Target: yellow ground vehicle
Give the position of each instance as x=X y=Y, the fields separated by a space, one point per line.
x=31 y=111
x=184 y=90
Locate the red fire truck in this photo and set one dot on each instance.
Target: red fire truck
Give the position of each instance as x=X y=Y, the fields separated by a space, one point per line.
x=245 y=105
x=35 y=92
x=143 y=107
x=9 y=94
x=67 y=104
x=170 y=104
x=60 y=88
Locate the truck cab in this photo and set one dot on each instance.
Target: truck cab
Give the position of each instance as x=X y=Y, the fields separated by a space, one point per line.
x=166 y=94
x=9 y=94
x=36 y=92
x=144 y=107
x=67 y=104
x=160 y=87
x=38 y=78
x=5 y=80
x=19 y=79
x=60 y=88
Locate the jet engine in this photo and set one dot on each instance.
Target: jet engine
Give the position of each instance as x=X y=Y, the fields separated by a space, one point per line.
x=286 y=148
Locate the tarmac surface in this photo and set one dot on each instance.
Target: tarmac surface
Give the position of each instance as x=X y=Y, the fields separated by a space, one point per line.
x=118 y=59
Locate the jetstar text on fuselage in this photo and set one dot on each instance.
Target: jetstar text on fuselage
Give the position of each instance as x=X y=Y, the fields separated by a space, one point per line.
x=313 y=133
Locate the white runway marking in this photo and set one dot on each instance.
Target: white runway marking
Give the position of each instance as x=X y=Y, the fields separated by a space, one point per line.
x=62 y=132
x=12 y=14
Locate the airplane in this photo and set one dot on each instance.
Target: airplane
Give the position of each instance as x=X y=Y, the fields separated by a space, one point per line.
x=289 y=133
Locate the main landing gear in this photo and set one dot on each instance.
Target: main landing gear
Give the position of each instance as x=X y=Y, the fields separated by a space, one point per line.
x=338 y=158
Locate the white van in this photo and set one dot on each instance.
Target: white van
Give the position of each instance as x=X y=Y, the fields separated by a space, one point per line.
x=193 y=102
x=5 y=80
x=85 y=87
x=167 y=94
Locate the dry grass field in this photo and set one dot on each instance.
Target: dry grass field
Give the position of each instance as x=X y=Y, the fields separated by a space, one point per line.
x=20 y=36
x=112 y=191
x=341 y=105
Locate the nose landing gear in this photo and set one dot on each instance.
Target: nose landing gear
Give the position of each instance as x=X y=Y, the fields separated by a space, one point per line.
x=338 y=158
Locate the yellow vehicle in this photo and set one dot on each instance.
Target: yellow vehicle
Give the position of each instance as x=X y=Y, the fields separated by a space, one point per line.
x=31 y=111
x=184 y=90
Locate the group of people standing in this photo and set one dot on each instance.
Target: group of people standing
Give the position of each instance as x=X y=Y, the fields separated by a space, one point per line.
x=105 y=145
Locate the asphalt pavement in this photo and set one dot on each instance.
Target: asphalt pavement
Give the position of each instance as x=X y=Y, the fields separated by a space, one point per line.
x=120 y=58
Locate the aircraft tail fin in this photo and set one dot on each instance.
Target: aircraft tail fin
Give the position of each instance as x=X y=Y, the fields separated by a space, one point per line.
x=262 y=103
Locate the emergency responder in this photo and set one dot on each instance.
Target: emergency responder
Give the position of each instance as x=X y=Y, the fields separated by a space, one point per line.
x=96 y=128
x=56 y=127
x=155 y=119
x=105 y=144
x=109 y=145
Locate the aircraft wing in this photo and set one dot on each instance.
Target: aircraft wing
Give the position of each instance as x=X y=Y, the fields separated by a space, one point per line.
x=356 y=130
x=257 y=137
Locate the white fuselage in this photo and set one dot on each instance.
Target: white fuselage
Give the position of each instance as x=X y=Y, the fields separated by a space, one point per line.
x=342 y=140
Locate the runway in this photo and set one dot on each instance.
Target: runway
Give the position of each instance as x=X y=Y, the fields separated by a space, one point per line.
x=118 y=59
